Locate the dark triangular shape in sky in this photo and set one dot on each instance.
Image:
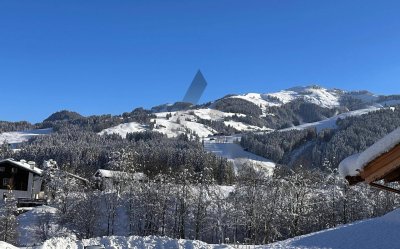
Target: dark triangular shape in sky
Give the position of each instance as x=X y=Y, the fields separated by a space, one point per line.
x=196 y=89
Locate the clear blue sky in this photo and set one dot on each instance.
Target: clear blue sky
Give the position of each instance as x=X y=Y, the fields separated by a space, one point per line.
x=97 y=57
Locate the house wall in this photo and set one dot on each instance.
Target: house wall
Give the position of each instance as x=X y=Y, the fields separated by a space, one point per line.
x=15 y=177
x=33 y=183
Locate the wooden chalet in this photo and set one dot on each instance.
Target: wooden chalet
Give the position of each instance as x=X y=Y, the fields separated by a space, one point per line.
x=23 y=178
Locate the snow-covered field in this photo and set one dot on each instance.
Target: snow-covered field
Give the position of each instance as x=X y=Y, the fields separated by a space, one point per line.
x=124 y=129
x=381 y=232
x=225 y=147
x=17 y=137
x=240 y=126
x=119 y=242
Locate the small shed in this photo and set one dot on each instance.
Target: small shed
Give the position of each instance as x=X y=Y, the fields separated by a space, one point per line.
x=379 y=162
x=111 y=179
x=23 y=178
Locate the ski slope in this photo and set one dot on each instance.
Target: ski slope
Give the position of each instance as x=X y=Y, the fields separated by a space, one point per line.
x=17 y=137
x=331 y=122
x=226 y=147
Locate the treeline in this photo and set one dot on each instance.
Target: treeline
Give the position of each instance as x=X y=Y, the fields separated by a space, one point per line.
x=218 y=126
x=257 y=210
x=352 y=135
x=295 y=113
x=237 y=105
x=84 y=152
x=277 y=145
x=278 y=117
x=66 y=120
x=15 y=126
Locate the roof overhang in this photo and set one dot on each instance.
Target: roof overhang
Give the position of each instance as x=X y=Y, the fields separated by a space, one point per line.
x=386 y=167
x=23 y=165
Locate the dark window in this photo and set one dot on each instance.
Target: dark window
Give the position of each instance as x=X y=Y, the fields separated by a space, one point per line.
x=6 y=182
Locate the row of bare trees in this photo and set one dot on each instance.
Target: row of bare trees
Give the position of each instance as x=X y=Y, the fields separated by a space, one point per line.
x=257 y=209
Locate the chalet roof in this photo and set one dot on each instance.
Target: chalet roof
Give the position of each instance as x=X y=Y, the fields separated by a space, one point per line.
x=24 y=165
x=377 y=162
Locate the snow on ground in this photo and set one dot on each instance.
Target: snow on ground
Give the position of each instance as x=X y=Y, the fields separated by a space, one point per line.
x=260 y=100
x=331 y=122
x=211 y=114
x=124 y=129
x=321 y=97
x=312 y=94
x=30 y=221
x=4 y=245
x=355 y=163
x=226 y=148
x=118 y=242
x=17 y=137
x=179 y=124
x=382 y=232
x=240 y=126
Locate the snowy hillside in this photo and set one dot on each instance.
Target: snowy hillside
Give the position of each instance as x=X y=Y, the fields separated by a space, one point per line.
x=124 y=129
x=312 y=94
x=331 y=122
x=189 y=121
x=375 y=233
x=17 y=137
x=226 y=147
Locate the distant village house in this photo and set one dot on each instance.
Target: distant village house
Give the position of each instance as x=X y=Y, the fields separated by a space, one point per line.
x=111 y=179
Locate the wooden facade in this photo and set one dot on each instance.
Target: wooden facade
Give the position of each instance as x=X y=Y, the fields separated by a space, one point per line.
x=12 y=177
x=23 y=179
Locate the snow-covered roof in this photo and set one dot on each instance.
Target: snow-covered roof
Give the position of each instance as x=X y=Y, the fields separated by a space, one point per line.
x=113 y=173
x=354 y=164
x=25 y=165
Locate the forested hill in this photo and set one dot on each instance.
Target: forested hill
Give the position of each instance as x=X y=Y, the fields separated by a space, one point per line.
x=162 y=135
x=195 y=186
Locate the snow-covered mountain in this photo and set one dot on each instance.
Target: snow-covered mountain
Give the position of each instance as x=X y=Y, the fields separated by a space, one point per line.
x=312 y=94
x=293 y=108
x=187 y=119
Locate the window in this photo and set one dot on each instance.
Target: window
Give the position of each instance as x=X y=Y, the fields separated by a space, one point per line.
x=2 y=169
x=6 y=181
x=14 y=170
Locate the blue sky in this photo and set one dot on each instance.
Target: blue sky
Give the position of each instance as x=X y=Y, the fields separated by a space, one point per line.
x=98 y=57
